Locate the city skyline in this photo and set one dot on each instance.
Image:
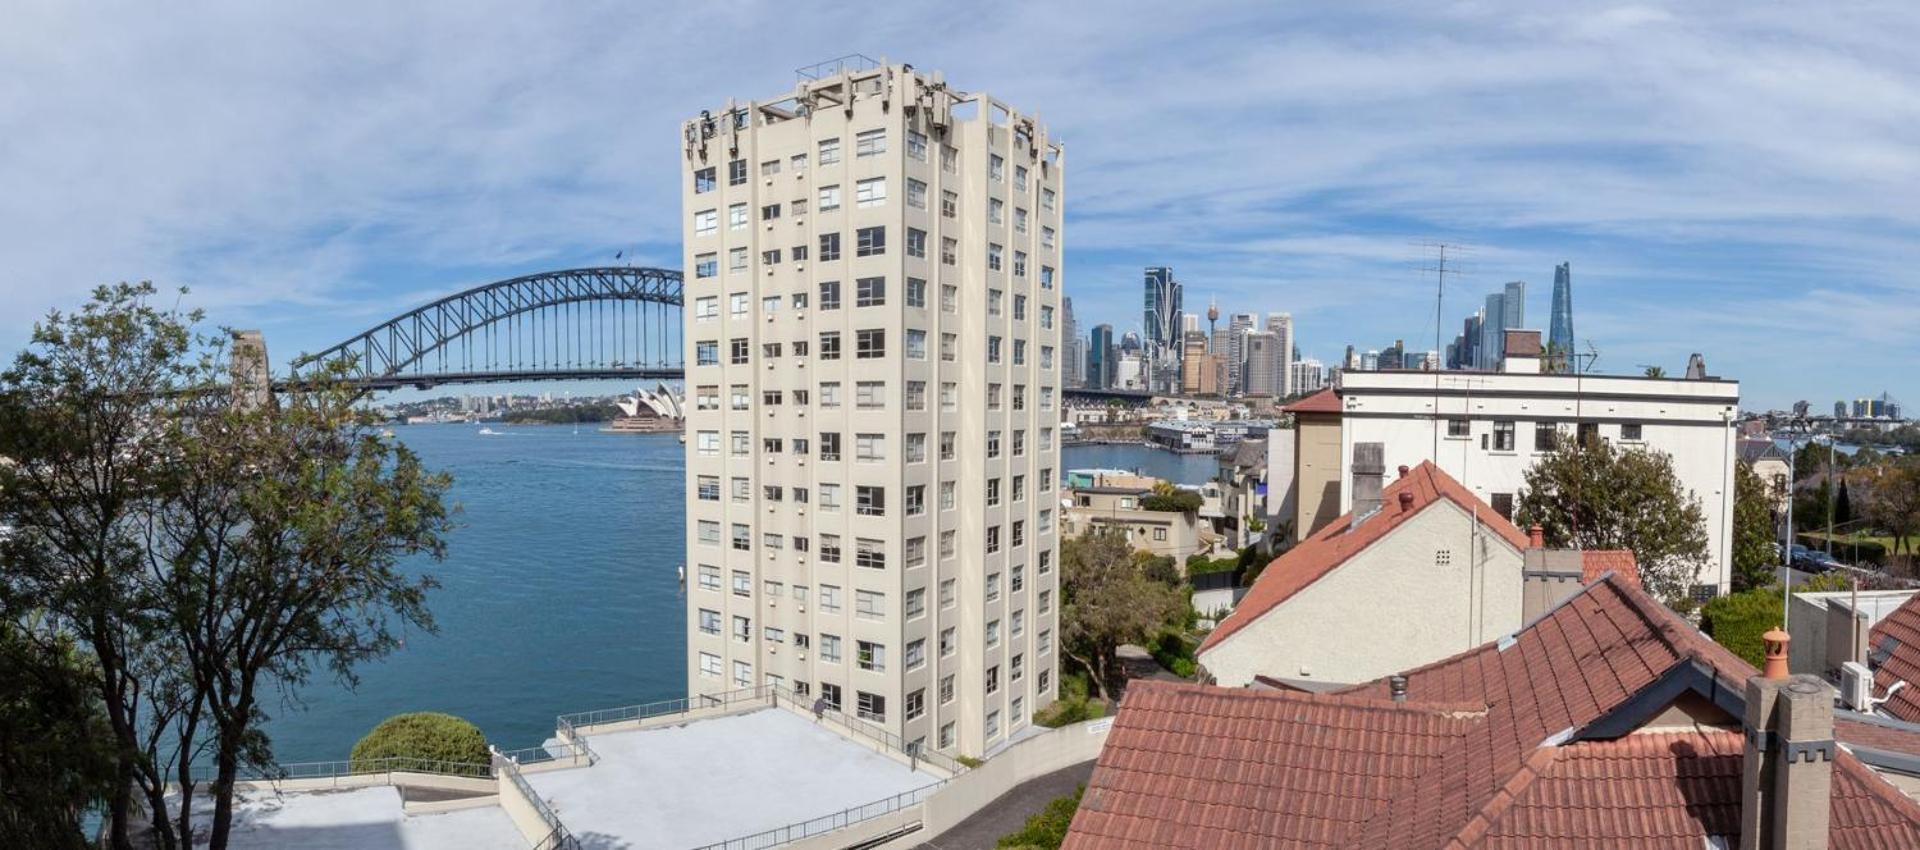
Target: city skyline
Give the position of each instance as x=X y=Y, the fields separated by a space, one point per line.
x=316 y=198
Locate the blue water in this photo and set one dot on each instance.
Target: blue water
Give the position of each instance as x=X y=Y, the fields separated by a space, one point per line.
x=560 y=590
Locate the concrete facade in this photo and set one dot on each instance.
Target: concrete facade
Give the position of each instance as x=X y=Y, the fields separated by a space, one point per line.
x=1317 y=471
x=873 y=355
x=1437 y=585
x=1172 y=534
x=1488 y=431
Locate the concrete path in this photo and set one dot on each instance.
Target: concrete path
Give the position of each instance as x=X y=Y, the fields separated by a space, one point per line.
x=1010 y=811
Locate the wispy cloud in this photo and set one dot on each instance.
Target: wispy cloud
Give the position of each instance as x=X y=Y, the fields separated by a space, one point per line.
x=1737 y=179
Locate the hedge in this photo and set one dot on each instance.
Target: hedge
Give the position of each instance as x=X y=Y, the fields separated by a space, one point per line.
x=423 y=735
x=1047 y=829
x=1849 y=551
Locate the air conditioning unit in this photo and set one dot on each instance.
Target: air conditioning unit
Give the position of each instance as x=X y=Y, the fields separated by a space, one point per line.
x=1856 y=686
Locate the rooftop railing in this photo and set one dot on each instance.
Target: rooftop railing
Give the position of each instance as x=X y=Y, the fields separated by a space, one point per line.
x=352 y=767
x=574 y=748
x=557 y=837
x=871 y=732
x=662 y=708
x=827 y=823
x=854 y=62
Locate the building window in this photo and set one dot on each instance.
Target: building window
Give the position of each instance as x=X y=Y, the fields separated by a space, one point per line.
x=737 y=172
x=1545 y=436
x=1630 y=431
x=1046 y=277
x=706 y=265
x=829 y=151
x=871 y=706
x=705 y=222
x=829 y=649
x=870 y=500
x=710 y=578
x=829 y=451
x=916 y=292
x=916 y=194
x=947 y=642
x=993 y=680
x=829 y=247
x=870 y=143
x=916 y=655
x=1459 y=427
x=870 y=241
x=742 y=628
x=949 y=250
x=949 y=204
x=996 y=167
x=830 y=345
x=870 y=395
x=946 y=729
x=1503 y=505
x=829 y=199
x=709 y=665
x=916 y=243
x=916 y=345
x=994 y=252
x=703 y=180
x=709 y=622
x=870 y=604
x=916 y=148
x=869 y=554
x=871 y=192
x=1503 y=436
x=916 y=703
x=996 y=211
x=709 y=488
x=831 y=694
x=872 y=656
x=870 y=292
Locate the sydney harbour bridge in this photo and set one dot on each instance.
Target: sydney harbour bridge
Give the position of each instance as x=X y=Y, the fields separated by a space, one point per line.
x=611 y=322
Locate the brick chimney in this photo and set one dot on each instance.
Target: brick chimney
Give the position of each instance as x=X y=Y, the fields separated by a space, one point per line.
x=1536 y=537
x=1786 y=780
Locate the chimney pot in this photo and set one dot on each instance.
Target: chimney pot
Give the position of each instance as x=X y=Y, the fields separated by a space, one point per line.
x=1537 y=537
x=1403 y=470
x=1397 y=685
x=1776 y=640
x=1406 y=501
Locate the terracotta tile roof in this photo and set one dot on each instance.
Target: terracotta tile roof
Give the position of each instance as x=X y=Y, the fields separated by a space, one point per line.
x=1894 y=648
x=1193 y=766
x=1878 y=734
x=1595 y=563
x=1340 y=540
x=1324 y=401
x=1499 y=782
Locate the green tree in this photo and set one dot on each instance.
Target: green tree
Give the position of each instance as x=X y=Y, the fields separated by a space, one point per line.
x=292 y=519
x=1109 y=601
x=1895 y=506
x=1655 y=372
x=1046 y=829
x=56 y=750
x=1592 y=495
x=1754 y=552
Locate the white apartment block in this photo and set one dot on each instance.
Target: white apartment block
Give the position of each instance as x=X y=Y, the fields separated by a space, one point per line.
x=873 y=351
x=1487 y=428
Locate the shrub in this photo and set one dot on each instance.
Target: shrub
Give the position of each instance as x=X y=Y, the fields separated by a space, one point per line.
x=425 y=735
x=1859 y=552
x=1737 y=620
x=1046 y=829
x=1175 y=653
x=1199 y=565
x=1067 y=711
x=1178 y=501
x=970 y=761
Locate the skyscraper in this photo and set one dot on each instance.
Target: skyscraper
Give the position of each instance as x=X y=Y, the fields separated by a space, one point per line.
x=876 y=529
x=1560 y=327
x=1263 y=364
x=1238 y=326
x=1100 y=358
x=1073 y=354
x=1505 y=310
x=1281 y=326
x=1161 y=316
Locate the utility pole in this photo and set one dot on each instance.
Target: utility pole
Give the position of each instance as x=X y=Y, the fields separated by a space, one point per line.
x=1438 y=266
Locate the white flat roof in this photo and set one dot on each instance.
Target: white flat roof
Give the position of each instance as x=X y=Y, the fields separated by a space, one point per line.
x=358 y=819
x=676 y=787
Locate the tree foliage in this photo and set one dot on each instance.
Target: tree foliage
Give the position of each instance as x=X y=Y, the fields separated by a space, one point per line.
x=424 y=735
x=202 y=545
x=56 y=750
x=1737 y=620
x=1591 y=495
x=1895 y=506
x=1109 y=601
x=1046 y=829
x=1178 y=501
x=1754 y=542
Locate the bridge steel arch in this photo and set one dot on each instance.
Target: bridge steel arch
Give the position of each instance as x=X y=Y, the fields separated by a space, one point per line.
x=605 y=322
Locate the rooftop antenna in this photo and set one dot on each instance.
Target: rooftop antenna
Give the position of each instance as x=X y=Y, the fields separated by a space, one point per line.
x=1438 y=264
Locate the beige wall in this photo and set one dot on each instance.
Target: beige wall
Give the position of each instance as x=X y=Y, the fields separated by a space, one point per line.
x=1391 y=607
x=1175 y=535
x=1317 y=471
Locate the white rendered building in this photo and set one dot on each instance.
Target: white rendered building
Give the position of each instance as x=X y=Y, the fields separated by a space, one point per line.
x=1491 y=427
x=873 y=356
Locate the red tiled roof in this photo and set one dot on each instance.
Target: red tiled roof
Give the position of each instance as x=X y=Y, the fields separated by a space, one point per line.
x=1203 y=767
x=1898 y=635
x=1324 y=401
x=1333 y=545
x=1496 y=784
x=1595 y=563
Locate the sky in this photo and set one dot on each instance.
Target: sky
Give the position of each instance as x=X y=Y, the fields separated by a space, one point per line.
x=1738 y=179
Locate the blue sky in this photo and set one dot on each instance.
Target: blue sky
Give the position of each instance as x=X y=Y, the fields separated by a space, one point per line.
x=1737 y=179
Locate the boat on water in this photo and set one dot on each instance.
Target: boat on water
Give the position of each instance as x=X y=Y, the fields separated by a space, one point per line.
x=489 y=432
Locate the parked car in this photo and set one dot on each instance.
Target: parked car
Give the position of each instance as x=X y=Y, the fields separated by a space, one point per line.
x=1815 y=561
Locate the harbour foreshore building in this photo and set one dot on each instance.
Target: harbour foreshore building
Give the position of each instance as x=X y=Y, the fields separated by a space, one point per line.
x=873 y=350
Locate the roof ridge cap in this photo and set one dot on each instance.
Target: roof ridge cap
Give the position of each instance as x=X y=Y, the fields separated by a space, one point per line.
x=1473 y=833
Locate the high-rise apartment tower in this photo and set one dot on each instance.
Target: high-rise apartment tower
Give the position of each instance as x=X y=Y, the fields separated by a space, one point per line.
x=873 y=281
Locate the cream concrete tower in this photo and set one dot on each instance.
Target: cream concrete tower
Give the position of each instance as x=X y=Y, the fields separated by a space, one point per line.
x=873 y=354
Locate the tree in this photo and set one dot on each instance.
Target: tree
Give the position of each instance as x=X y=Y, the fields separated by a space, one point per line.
x=1047 y=828
x=202 y=547
x=1754 y=551
x=1895 y=506
x=77 y=421
x=292 y=520
x=1591 y=495
x=1655 y=372
x=56 y=750
x=1109 y=601
x=1842 y=505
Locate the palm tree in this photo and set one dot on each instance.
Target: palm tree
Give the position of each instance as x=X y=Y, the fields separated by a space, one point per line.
x=1656 y=372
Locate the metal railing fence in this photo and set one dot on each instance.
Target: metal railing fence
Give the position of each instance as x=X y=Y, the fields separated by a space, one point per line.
x=827 y=823
x=352 y=767
x=646 y=711
x=557 y=837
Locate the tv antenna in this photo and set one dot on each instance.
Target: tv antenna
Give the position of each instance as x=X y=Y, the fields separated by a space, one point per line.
x=1442 y=260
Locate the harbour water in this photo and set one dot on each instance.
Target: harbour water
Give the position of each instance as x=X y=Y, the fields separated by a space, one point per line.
x=560 y=591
